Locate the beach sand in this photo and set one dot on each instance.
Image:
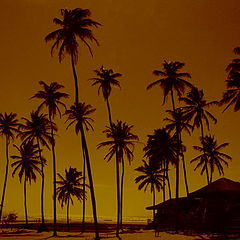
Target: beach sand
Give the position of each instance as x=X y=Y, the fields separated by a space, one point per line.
x=139 y=235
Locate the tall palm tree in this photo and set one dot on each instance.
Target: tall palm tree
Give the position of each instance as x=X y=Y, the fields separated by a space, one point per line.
x=69 y=186
x=74 y=26
x=8 y=129
x=210 y=150
x=37 y=129
x=161 y=149
x=121 y=143
x=177 y=121
x=195 y=111
x=171 y=79
x=78 y=115
x=51 y=99
x=27 y=166
x=234 y=66
x=106 y=78
x=151 y=176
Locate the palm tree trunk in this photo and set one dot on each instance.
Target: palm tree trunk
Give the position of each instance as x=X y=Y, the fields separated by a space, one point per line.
x=75 y=79
x=43 y=226
x=207 y=173
x=184 y=167
x=177 y=160
x=168 y=181
x=25 y=201
x=164 y=180
x=5 y=179
x=54 y=179
x=91 y=185
x=84 y=190
x=109 y=112
x=121 y=192
x=154 y=202
x=68 y=226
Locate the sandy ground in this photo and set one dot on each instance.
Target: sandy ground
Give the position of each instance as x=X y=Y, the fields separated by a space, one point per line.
x=140 y=235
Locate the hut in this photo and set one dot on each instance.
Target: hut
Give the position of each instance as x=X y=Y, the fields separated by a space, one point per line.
x=213 y=208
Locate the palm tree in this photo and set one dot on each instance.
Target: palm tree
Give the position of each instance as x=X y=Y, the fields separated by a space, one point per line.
x=171 y=79
x=8 y=129
x=37 y=129
x=177 y=121
x=75 y=26
x=234 y=66
x=195 y=110
x=78 y=115
x=211 y=156
x=27 y=165
x=69 y=186
x=121 y=143
x=150 y=176
x=161 y=149
x=106 y=79
x=51 y=97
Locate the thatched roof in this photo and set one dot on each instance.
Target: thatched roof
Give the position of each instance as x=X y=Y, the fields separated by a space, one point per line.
x=220 y=187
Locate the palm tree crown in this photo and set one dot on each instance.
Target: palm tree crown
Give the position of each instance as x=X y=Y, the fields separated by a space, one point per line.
x=27 y=162
x=8 y=125
x=75 y=24
x=106 y=79
x=171 y=79
x=122 y=140
x=70 y=186
x=150 y=176
x=78 y=114
x=51 y=97
x=196 y=108
x=38 y=126
x=211 y=155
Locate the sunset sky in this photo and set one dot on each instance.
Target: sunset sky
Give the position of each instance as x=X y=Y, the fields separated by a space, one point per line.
x=135 y=38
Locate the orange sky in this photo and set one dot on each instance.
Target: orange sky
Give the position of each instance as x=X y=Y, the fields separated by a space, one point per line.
x=135 y=39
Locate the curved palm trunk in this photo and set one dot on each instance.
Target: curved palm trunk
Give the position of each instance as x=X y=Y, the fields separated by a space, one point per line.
x=184 y=167
x=177 y=162
x=68 y=226
x=202 y=133
x=25 y=201
x=119 y=217
x=75 y=79
x=121 y=192
x=43 y=226
x=5 y=180
x=88 y=164
x=54 y=180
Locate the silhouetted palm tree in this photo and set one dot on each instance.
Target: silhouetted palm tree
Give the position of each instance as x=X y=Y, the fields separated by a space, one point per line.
x=8 y=129
x=150 y=176
x=27 y=165
x=171 y=79
x=161 y=149
x=75 y=26
x=78 y=115
x=210 y=151
x=52 y=97
x=234 y=66
x=69 y=186
x=121 y=143
x=106 y=79
x=177 y=121
x=195 y=111
x=37 y=129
